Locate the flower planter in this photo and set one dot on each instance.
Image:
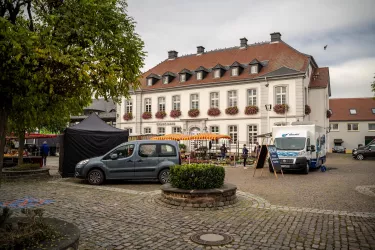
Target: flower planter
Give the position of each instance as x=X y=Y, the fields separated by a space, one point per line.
x=231 y=111
x=213 y=112
x=251 y=110
x=146 y=115
x=128 y=116
x=175 y=113
x=193 y=112
x=307 y=109
x=281 y=108
x=160 y=114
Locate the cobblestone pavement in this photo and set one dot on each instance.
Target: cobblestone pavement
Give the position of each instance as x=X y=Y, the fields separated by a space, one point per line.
x=118 y=218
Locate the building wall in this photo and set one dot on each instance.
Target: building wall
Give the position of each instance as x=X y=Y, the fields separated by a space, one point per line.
x=351 y=138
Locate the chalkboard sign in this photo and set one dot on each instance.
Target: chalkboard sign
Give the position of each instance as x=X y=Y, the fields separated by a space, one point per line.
x=274 y=158
x=262 y=157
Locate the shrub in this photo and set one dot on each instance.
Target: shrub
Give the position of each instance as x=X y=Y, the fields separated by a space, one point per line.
x=193 y=112
x=231 y=111
x=175 y=113
x=251 y=110
x=146 y=115
x=26 y=166
x=281 y=108
x=213 y=112
x=160 y=114
x=197 y=176
x=307 y=109
x=182 y=146
x=128 y=116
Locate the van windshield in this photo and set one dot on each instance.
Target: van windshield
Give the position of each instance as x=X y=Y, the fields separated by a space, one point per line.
x=291 y=143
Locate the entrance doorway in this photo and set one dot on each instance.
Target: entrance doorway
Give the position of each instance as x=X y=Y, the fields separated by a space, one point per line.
x=195 y=144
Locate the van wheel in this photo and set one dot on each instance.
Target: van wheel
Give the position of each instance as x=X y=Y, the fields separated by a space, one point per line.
x=307 y=168
x=95 y=177
x=360 y=157
x=164 y=176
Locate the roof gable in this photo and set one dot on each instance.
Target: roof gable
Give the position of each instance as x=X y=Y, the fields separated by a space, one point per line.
x=341 y=109
x=282 y=72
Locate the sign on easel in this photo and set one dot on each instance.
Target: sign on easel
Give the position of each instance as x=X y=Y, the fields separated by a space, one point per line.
x=271 y=152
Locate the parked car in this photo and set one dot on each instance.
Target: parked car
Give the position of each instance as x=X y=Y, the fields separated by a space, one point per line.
x=338 y=149
x=364 y=152
x=144 y=159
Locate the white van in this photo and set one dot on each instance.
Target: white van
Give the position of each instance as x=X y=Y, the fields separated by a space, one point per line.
x=300 y=146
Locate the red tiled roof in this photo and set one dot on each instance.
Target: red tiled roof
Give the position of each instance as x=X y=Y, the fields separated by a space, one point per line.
x=340 y=109
x=319 y=78
x=277 y=54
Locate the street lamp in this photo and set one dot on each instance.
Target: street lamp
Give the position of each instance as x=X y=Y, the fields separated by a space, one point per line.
x=268 y=108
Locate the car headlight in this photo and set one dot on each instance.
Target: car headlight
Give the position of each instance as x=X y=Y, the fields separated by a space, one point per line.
x=84 y=162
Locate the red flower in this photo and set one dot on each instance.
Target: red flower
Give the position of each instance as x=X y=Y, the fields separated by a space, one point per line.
x=160 y=114
x=307 y=109
x=146 y=115
x=213 y=112
x=231 y=111
x=128 y=116
x=281 y=108
x=175 y=113
x=193 y=112
x=251 y=110
x=329 y=113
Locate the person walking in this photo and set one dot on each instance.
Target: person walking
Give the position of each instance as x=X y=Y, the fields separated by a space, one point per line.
x=245 y=152
x=44 y=150
x=223 y=151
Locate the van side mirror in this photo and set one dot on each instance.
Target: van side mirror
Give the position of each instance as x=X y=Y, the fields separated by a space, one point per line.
x=312 y=147
x=308 y=148
x=114 y=156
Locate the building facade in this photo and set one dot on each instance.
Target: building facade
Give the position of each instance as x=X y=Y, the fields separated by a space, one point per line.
x=226 y=91
x=352 y=122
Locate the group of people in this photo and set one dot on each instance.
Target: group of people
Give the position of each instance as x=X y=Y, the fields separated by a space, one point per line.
x=245 y=152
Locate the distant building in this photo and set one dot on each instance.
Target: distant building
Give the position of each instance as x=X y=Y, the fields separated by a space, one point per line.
x=106 y=110
x=352 y=122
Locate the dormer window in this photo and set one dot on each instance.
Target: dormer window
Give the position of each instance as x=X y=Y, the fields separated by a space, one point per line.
x=149 y=82
x=235 y=71
x=255 y=66
x=201 y=73
x=165 y=79
x=183 y=78
x=152 y=78
x=373 y=110
x=254 y=69
x=185 y=74
x=168 y=77
x=217 y=73
x=353 y=111
x=200 y=76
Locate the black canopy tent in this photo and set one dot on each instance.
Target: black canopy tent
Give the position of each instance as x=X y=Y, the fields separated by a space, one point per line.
x=91 y=137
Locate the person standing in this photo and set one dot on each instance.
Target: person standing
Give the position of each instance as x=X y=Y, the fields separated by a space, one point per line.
x=223 y=151
x=44 y=150
x=245 y=152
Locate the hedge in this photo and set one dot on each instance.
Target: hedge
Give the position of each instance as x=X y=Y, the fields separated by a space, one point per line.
x=197 y=176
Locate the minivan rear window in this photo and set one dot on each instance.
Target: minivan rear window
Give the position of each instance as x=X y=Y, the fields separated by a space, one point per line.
x=167 y=150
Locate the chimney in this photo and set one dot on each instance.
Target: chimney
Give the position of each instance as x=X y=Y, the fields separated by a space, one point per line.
x=243 y=42
x=275 y=37
x=172 y=54
x=200 y=50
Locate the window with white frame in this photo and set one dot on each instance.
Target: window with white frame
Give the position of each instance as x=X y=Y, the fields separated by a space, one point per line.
x=235 y=71
x=147 y=130
x=165 y=79
x=176 y=102
x=161 y=103
x=353 y=111
x=161 y=131
x=280 y=94
x=251 y=97
x=129 y=106
x=353 y=127
x=214 y=100
x=232 y=98
x=148 y=105
x=254 y=69
x=194 y=101
x=149 y=81
x=252 y=131
x=199 y=75
x=176 y=130
x=371 y=126
x=233 y=133
x=130 y=130
x=214 y=129
x=373 y=111
x=217 y=73
x=334 y=127
x=183 y=78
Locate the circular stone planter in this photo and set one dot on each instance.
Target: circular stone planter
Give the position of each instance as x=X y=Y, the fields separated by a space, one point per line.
x=10 y=174
x=69 y=233
x=204 y=198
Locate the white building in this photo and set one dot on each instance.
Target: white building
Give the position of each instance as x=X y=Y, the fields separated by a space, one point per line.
x=247 y=75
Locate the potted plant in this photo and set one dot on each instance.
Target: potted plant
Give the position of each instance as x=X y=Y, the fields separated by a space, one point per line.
x=251 y=110
x=146 y=115
x=182 y=147
x=281 y=108
x=175 y=113
x=160 y=114
x=193 y=112
x=213 y=112
x=128 y=116
x=231 y=110
x=307 y=109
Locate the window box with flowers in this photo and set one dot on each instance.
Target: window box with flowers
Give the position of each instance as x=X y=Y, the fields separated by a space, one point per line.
x=160 y=114
x=146 y=115
x=128 y=116
x=213 y=112
x=251 y=110
x=307 y=109
x=231 y=111
x=193 y=112
x=175 y=113
x=281 y=108
x=329 y=113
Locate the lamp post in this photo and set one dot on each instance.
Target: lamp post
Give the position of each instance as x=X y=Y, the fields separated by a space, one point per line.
x=268 y=108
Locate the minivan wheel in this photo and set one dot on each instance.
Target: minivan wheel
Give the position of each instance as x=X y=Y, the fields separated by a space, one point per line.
x=360 y=157
x=164 y=176
x=307 y=168
x=95 y=177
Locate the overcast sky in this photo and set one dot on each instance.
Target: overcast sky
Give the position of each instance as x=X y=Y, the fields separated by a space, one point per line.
x=347 y=27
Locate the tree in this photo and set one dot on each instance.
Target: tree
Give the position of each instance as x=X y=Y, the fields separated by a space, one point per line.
x=60 y=53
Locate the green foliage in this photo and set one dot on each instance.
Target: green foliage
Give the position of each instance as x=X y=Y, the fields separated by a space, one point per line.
x=197 y=176
x=182 y=146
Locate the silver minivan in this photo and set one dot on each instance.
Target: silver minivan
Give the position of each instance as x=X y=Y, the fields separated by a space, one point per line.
x=144 y=159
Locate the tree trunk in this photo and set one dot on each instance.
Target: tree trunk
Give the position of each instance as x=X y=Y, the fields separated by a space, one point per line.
x=21 y=139
x=3 y=125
